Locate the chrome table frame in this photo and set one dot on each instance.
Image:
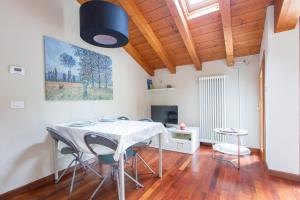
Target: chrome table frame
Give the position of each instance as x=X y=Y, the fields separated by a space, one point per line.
x=238 y=135
x=233 y=160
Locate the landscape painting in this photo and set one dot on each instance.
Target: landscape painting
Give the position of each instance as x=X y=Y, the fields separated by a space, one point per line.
x=74 y=73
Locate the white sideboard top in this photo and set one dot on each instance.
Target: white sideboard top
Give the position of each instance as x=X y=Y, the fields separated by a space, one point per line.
x=188 y=130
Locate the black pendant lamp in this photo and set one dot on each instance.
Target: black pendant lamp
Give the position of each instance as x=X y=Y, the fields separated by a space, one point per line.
x=103 y=24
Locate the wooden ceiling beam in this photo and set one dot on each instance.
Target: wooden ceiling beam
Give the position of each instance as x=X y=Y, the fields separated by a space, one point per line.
x=133 y=53
x=142 y=24
x=227 y=30
x=138 y=58
x=182 y=25
x=287 y=13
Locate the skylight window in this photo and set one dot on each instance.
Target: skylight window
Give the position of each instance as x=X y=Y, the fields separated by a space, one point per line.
x=196 y=1
x=197 y=8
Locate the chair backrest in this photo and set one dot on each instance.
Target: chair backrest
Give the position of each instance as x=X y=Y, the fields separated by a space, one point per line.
x=58 y=137
x=145 y=120
x=100 y=139
x=123 y=118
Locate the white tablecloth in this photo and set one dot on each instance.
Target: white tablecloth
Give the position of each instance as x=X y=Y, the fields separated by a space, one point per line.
x=127 y=133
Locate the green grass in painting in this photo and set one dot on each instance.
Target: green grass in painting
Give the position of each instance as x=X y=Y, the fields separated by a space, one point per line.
x=55 y=91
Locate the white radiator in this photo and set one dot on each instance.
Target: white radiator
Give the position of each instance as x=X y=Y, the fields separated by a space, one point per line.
x=212 y=91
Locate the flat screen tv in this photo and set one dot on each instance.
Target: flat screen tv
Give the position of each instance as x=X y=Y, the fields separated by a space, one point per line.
x=165 y=114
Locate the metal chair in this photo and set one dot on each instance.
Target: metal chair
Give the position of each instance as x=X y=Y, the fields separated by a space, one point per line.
x=123 y=118
x=93 y=140
x=141 y=145
x=69 y=149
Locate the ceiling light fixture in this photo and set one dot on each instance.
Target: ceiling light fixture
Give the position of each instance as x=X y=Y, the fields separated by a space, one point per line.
x=103 y=24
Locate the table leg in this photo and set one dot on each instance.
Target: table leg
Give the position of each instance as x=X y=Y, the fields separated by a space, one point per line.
x=55 y=159
x=160 y=155
x=213 y=150
x=238 y=138
x=121 y=176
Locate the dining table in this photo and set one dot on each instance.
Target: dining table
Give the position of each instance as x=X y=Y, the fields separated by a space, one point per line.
x=126 y=132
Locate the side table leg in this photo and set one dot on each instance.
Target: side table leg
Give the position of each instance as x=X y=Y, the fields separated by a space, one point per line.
x=213 y=151
x=238 y=138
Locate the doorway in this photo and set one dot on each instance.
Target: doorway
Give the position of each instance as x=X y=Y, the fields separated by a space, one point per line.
x=262 y=109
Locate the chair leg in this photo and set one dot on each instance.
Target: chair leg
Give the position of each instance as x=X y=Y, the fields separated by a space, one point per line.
x=136 y=182
x=98 y=188
x=73 y=178
x=132 y=163
x=82 y=162
x=136 y=169
x=89 y=167
x=63 y=173
x=112 y=174
x=146 y=164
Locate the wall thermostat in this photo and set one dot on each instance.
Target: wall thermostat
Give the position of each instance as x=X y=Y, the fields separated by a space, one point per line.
x=17 y=104
x=16 y=70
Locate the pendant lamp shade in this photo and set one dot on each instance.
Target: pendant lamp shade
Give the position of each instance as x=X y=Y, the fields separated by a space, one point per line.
x=103 y=24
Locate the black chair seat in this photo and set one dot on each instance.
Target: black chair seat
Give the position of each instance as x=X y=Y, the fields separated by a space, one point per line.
x=67 y=150
x=141 y=144
x=109 y=158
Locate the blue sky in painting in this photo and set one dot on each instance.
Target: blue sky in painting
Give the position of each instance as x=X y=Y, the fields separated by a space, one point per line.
x=53 y=49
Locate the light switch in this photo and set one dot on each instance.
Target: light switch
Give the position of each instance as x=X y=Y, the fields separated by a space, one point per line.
x=16 y=70
x=17 y=104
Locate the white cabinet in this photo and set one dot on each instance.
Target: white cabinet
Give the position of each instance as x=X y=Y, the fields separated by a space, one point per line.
x=184 y=141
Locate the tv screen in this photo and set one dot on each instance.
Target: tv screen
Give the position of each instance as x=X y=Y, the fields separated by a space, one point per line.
x=165 y=114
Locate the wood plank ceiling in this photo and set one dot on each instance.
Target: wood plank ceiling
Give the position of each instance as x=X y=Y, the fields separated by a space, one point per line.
x=207 y=33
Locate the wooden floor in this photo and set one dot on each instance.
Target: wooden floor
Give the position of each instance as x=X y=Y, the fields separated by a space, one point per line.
x=185 y=176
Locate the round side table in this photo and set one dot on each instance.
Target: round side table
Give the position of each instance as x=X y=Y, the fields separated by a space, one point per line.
x=231 y=149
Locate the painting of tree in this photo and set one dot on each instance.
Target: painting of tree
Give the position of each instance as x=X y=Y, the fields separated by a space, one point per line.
x=74 y=73
x=69 y=62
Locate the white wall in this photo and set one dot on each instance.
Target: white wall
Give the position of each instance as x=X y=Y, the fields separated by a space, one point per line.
x=282 y=96
x=24 y=145
x=186 y=95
